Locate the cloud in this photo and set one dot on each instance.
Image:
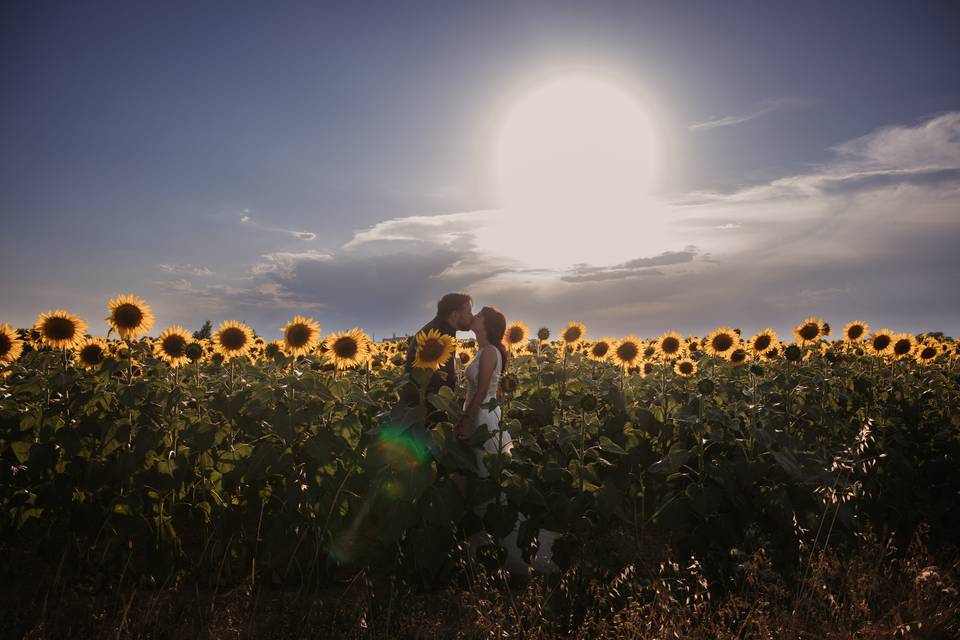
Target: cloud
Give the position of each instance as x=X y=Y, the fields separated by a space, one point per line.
x=301 y=235
x=763 y=108
x=869 y=234
x=281 y=264
x=185 y=269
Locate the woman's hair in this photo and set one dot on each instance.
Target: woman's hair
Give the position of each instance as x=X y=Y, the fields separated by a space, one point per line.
x=495 y=324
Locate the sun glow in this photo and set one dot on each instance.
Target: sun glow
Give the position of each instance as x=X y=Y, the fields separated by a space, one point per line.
x=575 y=141
x=576 y=148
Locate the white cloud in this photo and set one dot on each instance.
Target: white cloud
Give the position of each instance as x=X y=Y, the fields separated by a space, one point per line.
x=763 y=108
x=185 y=269
x=282 y=263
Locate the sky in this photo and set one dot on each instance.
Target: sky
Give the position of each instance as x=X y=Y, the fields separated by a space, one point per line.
x=764 y=162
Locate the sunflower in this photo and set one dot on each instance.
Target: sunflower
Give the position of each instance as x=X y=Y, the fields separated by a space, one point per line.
x=273 y=348
x=60 y=329
x=11 y=346
x=601 y=350
x=810 y=330
x=543 y=334
x=762 y=341
x=685 y=367
x=927 y=352
x=347 y=348
x=669 y=345
x=91 y=352
x=855 y=331
x=516 y=335
x=626 y=353
x=195 y=351
x=300 y=336
x=573 y=334
x=903 y=346
x=721 y=342
x=129 y=316
x=171 y=346
x=433 y=349
x=232 y=339
x=880 y=342
x=737 y=357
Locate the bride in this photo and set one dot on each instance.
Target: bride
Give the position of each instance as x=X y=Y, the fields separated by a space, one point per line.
x=482 y=377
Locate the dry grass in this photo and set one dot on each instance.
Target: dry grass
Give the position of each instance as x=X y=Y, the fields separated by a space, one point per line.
x=877 y=591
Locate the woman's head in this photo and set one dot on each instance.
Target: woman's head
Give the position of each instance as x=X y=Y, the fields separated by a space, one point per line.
x=491 y=324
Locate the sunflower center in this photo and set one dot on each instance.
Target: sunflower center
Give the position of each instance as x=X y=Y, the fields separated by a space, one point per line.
x=881 y=342
x=686 y=368
x=647 y=368
x=722 y=342
x=174 y=346
x=627 y=351
x=738 y=356
x=345 y=347
x=127 y=316
x=901 y=347
x=298 y=335
x=762 y=343
x=58 y=328
x=5 y=344
x=855 y=332
x=809 y=331
x=928 y=353
x=91 y=354
x=670 y=345
x=515 y=335
x=600 y=349
x=233 y=339
x=572 y=334
x=431 y=350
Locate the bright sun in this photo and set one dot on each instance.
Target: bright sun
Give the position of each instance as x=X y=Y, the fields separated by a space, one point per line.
x=574 y=142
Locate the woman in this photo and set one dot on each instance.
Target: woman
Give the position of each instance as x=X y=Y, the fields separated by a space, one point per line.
x=482 y=376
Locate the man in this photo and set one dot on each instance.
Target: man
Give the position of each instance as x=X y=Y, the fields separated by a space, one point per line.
x=454 y=313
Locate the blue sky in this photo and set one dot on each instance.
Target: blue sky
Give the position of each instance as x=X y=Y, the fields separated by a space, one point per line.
x=232 y=160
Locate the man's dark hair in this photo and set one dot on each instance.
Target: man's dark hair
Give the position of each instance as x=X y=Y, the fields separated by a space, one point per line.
x=452 y=302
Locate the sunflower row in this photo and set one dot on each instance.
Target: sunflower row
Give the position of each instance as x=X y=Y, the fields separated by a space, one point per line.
x=131 y=318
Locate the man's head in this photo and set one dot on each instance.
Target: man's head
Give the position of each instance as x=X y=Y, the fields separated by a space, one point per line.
x=457 y=309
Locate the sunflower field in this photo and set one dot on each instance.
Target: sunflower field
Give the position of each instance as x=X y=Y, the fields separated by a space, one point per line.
x=171 y=460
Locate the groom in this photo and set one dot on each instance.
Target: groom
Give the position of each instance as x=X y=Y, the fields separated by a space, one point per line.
x=454 y=313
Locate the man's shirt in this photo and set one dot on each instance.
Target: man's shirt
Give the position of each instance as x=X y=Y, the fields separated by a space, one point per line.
x=436 y=381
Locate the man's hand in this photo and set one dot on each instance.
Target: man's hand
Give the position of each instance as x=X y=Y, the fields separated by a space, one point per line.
x=463 y=428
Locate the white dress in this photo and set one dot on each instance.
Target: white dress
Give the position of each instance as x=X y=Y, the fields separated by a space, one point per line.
x=500 y=440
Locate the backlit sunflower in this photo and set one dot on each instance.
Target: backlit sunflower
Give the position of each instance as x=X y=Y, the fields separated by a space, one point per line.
x=927 y=352
x=543 y=334
x=433 y=349
x=574 y=333
x=626 y=353
x=60 y=329
x=11 y=346
x=669 y=345
x=195 y=351
x=347 y=349
x=762 y=341
x=171 y=346
x=272 y=348
x=516 y=335
x=232 y=339
x=129 y=316
x=902 y=346
x=721 y=342
x=809 y=331
x=300 y=336
x=737 y=357
x=602 y=350
x=91 y=352
x=855 y=331
x=685 y=367
x=880 y=342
